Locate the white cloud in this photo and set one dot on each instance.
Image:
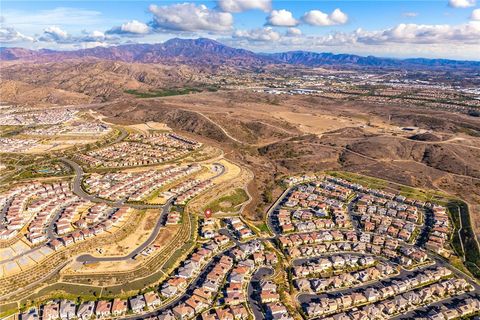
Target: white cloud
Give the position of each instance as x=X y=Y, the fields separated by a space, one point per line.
x=293 y=32
x=189 y=17
x=133 y=27
x=281 y=18
x=54 y=34
x=410 y=14
x=10 y=35
x=63 y=20
x=421 y=33
x=94 y=36
x=319 y=18
x=468 y=34
x=447 y=41
x=235 y=6
x=475 y=15
x=461 y=3
x=90 y=44
x=57 y=35
x=257 y=35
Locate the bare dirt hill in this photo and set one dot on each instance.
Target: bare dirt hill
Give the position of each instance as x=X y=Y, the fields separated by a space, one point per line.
x=24 y=93
x=100 y=79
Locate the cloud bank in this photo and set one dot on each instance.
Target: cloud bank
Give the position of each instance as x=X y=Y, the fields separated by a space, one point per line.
x=189 y=17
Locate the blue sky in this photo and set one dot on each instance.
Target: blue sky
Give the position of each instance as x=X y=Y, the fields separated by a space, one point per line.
x=443 y=28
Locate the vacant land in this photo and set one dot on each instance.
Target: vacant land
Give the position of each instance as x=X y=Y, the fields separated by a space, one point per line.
x=228 y=203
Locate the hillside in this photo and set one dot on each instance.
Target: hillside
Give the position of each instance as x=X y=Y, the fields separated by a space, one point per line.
x=95 y=79
x=25 y=93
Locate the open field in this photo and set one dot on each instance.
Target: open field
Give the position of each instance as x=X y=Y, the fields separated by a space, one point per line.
x=149 y=126
x=143 y=226
x=318 y=123
x=229 y=202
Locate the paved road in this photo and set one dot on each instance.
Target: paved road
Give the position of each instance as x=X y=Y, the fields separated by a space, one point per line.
x=253 y=291
x=121 y=137
x=160 y=223
x=226 y=232
x=300 y=261
x=78 y=190
x=197 y=283
x=272 y=209
x=51 y=226
x=404 y=275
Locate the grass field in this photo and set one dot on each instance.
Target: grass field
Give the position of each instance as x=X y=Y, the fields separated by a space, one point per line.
x=229 y=202
x=369 y=182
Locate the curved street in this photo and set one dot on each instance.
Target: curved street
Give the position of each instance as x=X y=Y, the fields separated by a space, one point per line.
x=78 y=190
x=87 y=258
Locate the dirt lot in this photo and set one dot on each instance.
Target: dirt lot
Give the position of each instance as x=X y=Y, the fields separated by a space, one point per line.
x=142 y=231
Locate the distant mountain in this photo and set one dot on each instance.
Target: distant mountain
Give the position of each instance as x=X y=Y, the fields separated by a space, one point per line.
x=318 y=59
x=207 y=52
x=187 y=51
x=329 y=59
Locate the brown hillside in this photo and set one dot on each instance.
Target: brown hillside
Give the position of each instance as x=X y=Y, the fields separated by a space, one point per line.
x=100 y=79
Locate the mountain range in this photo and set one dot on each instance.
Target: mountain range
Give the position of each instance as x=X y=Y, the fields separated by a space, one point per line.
x=205 y=51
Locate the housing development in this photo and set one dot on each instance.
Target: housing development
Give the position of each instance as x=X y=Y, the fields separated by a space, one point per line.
x=149 y=223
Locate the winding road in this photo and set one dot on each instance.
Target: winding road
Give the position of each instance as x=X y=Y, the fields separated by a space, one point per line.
x=88 y=258
x=78 y=190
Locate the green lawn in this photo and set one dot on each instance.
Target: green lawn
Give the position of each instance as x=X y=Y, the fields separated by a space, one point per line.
x=263 y=227
x=229 y=202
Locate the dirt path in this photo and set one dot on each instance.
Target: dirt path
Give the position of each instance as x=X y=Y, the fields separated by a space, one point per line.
x=447 y=142
x=219 y=126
